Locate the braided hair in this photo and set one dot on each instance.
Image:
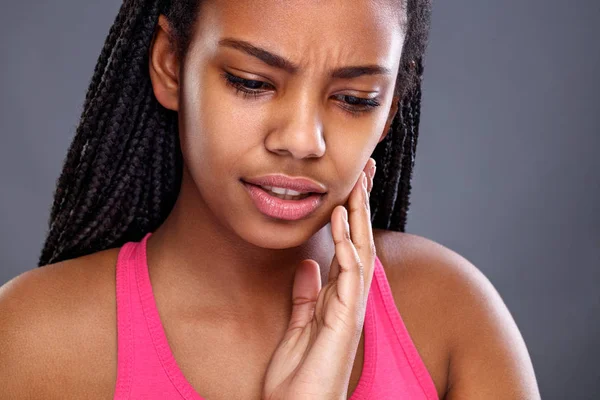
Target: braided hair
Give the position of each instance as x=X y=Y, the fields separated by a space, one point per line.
x=122 y=173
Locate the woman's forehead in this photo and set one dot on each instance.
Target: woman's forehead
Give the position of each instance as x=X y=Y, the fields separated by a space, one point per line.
x=267 y=9
x=306 y=31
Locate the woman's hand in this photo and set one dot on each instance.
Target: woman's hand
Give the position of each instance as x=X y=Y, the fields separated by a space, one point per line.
x=315 y=357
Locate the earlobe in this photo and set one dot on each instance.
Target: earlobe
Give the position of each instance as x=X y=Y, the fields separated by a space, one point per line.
x=391 y=115
x=164 y=66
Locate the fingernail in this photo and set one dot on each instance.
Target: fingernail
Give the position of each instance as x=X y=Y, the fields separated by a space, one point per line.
x=364 y=182
x=345 y=214
x=372 y=171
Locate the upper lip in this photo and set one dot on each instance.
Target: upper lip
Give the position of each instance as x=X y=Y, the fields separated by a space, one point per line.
x=302 y=185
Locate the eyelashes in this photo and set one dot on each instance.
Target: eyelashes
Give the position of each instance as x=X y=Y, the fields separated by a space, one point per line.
x=252 y=88
x=245 y=87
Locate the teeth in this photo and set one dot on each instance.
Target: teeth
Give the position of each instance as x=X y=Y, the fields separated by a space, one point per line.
x=282 y=191
x=285 y=194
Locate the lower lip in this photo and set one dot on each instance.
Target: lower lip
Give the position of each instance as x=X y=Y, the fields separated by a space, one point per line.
x=283 y=209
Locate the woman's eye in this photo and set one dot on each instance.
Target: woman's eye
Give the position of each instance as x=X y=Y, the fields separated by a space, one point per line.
x=245 y=87
x=358 y=105
x=248 y=87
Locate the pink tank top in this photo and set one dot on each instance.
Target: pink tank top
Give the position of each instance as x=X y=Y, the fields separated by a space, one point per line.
x=147 y=370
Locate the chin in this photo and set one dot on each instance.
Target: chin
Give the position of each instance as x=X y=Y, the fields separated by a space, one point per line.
x=274 y=234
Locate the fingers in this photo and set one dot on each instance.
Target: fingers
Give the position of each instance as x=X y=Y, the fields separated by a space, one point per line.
x=349 y=274
x=360 y=225
x=307 y=285
x=354 y=238
x=370 y=171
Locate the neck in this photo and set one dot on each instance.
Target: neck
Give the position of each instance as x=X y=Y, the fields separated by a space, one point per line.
x=197 y=263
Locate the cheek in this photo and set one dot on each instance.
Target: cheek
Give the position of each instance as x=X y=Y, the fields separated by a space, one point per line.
x=212 y=134
x=348 y=158
x=353 y=140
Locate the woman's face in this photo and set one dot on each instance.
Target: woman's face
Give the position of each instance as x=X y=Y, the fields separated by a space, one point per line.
x=299 y=120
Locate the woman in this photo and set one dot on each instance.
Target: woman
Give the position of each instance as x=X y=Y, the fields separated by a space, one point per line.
x=211 y=231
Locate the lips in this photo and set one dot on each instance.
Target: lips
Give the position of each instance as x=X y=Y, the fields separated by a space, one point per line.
x=301 y=185
x=281 y=209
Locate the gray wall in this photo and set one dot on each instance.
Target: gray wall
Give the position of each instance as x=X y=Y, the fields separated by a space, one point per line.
x=506 y=175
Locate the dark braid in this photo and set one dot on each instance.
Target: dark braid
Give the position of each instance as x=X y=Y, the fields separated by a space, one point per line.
x=104 y=198
x=395 y=155
x=122 y=173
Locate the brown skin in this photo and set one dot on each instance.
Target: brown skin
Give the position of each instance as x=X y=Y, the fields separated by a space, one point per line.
x=57 y=324
x=234 y=137
x=226 y=137
x=58 y=330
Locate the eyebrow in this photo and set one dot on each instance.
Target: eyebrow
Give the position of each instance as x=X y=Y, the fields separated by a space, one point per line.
x=280 y=62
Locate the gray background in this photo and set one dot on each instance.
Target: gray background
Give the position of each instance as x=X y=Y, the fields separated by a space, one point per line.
x=507 y=172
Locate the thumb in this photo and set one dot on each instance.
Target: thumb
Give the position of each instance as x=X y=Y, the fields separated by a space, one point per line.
x=307 y=285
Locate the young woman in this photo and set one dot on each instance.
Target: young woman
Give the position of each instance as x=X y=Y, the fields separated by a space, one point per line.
x=211 y=233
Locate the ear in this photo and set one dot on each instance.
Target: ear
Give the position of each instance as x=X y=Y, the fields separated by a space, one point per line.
x=164 y=66
x=391 y=115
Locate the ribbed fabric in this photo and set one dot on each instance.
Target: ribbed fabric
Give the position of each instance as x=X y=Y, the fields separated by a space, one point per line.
x=147 y=370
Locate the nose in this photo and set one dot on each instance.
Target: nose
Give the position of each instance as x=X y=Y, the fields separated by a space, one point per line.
x=298 y=131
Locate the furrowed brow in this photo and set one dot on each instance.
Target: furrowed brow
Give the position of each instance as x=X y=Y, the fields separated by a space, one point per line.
x=265 y=56
x=280 y=62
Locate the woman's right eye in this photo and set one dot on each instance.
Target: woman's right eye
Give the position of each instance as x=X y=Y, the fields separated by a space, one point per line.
x=245 y=87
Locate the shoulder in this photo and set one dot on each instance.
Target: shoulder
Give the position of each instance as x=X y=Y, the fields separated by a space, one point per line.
x=414 y=263
x=446 y=299
x=54 y=324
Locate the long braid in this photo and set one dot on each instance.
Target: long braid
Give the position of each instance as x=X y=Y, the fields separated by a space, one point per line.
x=75 y=152
x=411 y=114
x=395 y=155
x=66 y=175
x=387 y=154
x=122 y=173
x=125 y=122
x=76 y=163
x=104 y=178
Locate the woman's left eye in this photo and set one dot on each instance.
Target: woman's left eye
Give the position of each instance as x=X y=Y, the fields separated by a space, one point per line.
x=358 y=105
x=247 y=87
